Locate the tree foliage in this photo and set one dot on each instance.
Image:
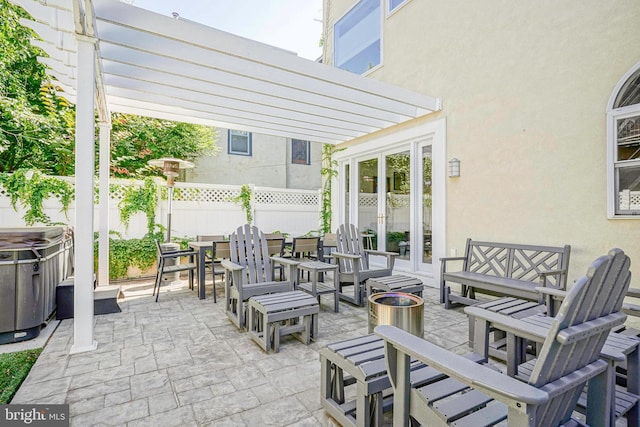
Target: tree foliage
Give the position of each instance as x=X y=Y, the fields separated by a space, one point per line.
x=136 y=140
x=36 y=125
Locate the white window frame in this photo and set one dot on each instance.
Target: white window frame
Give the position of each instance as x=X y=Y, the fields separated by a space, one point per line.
x=335 y=39
x=613 y=115
x=231 y=151
x=307 y=160
x=399 y=6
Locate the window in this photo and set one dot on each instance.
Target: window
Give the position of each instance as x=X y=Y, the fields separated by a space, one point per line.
x=300 y=152
x=625 y=147
x=357 y=38
x=239 y=142
x=394 y=4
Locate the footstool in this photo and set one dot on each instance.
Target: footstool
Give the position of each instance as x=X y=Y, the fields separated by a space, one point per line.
x=275 y=315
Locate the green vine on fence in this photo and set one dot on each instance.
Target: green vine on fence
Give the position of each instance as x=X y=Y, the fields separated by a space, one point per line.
x=329 y=172
x=244 y=200
x=140 y=199
x=31 y=188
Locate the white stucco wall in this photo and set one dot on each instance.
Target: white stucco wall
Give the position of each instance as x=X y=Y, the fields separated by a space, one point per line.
x=268 y=166
x=524 y=88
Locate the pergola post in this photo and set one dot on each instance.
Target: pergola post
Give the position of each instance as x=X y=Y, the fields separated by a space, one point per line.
x=85 y=159
x=103 y=208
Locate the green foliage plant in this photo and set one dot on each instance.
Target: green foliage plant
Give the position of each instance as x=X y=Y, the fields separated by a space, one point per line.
x=329 y=171
x=140 y=199
x=125 y=253
x=244 y=200
x=31 y=188
x=14 y=368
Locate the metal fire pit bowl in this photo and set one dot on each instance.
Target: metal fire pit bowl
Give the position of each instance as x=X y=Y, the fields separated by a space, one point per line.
x=406 y=311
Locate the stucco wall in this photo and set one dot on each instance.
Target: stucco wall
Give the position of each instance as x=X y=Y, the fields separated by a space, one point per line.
x=268 y=166
x=525 y=88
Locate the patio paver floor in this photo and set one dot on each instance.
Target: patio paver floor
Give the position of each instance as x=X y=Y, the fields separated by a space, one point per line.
x=181 y=362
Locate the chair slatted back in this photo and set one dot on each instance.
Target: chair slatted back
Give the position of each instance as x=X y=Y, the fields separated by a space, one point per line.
x=249 y=249
x=599 y=293
x=303 y=245
x=222 y=249
x=349 y=241
x=275 y=246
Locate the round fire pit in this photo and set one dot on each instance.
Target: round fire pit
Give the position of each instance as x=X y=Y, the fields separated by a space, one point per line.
x=406 y=311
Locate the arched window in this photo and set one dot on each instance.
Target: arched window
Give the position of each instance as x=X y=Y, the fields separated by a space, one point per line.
x=624 y=146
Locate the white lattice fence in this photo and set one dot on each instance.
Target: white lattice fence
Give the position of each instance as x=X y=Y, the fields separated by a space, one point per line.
x=197 y=209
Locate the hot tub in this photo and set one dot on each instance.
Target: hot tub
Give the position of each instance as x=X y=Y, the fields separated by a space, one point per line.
x=33 y=260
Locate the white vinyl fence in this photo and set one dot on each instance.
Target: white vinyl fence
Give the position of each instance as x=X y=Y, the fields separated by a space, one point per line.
x=197 y=209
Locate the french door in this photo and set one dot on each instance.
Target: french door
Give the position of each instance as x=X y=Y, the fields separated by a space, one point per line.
x=390 y=202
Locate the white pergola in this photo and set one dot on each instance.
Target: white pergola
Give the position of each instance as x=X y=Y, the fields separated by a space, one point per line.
x=115 y=57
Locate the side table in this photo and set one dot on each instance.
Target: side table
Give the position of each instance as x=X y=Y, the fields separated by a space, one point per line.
x=315 y=288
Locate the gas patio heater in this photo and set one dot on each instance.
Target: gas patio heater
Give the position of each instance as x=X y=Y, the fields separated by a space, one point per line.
x=170 y=168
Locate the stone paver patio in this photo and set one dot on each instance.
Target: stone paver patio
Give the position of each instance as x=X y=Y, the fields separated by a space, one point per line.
x=181 y=362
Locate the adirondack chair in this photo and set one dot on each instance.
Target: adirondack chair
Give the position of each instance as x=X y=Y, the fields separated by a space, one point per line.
x=249 y=272
x=470 y=394
x=353 y=260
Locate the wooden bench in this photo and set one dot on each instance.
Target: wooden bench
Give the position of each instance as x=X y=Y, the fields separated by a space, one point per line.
x=280 y=314
x=504 y=269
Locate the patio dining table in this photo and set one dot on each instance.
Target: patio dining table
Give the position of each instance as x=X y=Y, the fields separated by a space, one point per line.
x=201 y=264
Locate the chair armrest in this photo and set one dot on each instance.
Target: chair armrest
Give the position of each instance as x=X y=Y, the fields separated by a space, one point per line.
x=381 y=253
x=509 y=324
x=174 y=254
x=347 y=256
x=284 y=261
x=231 y=266
x=501 y=387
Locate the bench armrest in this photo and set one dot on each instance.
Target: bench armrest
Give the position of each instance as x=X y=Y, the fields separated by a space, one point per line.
x=453 y=258
x=633 y=293
x=547 y=273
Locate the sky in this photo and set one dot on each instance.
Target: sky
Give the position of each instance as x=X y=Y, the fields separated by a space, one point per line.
x=295 y=25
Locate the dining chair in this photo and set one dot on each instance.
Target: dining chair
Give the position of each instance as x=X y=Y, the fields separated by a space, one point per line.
x=169 y=262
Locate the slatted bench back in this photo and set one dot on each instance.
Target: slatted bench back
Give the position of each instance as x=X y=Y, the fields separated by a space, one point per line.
x=517 y=261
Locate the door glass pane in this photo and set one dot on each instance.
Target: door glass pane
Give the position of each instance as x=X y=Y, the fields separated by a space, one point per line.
x=368 y=202
x=426 y=205
x=397 y=222
x=347 y=191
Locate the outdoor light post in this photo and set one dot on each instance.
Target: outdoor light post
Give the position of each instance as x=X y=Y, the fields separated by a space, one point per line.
x=170 y=168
